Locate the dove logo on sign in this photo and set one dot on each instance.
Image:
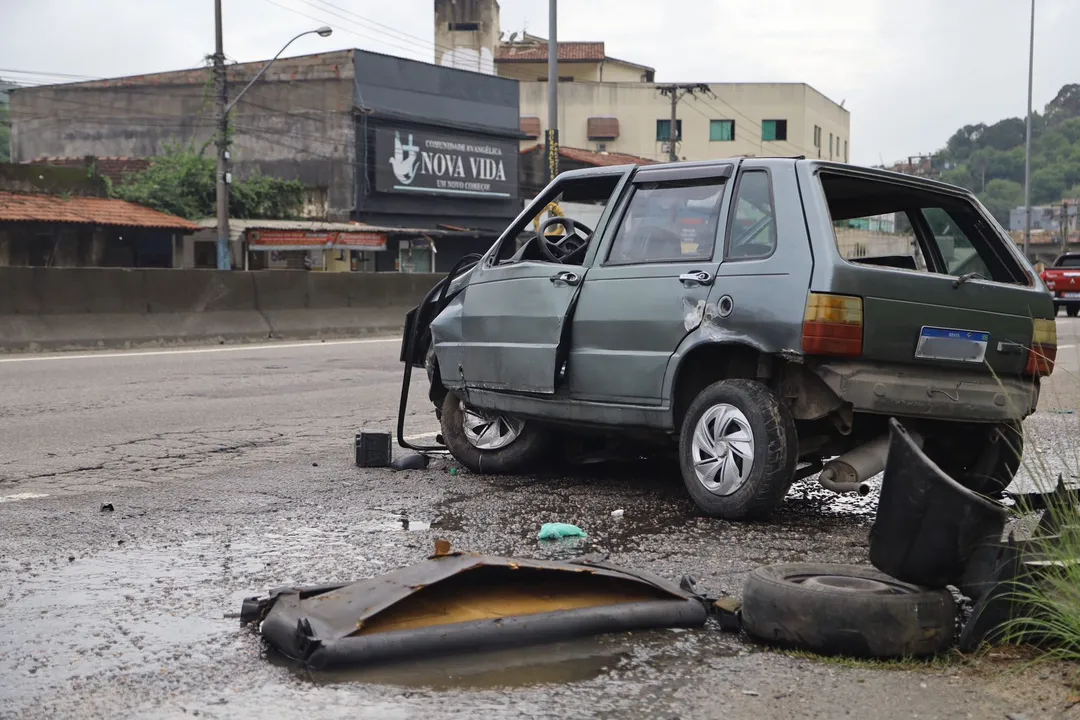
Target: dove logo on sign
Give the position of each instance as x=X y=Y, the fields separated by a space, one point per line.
x=403 y=161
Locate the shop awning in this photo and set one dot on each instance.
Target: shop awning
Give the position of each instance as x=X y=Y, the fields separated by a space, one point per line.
x=270 y=239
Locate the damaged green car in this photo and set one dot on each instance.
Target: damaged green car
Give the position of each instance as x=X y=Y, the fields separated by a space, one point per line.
x=762 y=317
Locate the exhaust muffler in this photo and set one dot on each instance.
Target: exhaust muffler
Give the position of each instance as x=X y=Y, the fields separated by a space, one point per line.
x=849 y=472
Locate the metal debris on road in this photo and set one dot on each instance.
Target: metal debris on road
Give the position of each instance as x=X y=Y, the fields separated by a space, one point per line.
x=106 y=507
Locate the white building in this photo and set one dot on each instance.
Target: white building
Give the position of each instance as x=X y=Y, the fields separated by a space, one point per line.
x=612 y=105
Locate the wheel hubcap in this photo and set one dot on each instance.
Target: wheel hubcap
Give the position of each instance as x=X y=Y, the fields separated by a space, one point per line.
x=722 y=449
x=489 y=431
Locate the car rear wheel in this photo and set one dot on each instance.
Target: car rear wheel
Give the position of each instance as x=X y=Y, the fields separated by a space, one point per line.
x=737 y=450
x=845 y=610
x=1072 y=310
x=494 y=443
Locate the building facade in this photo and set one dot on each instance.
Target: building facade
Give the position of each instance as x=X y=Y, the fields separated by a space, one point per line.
x=376 y=139
x=607 y=104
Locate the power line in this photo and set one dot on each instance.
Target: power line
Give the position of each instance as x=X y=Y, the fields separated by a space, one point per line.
x=338 y=27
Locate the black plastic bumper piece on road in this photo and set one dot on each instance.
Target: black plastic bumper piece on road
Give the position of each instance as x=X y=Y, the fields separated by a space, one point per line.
x=323 y=628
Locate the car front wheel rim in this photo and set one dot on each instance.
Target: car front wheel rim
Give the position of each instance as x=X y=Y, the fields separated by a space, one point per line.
x=723 y=449
x=486 y=431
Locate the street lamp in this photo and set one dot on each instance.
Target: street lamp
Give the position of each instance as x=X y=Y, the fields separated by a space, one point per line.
x=324 y=31
x=1027 y=139
x=224 y=255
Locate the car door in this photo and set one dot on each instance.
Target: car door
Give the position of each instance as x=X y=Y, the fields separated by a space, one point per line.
x=514 y=312
x=649 y=285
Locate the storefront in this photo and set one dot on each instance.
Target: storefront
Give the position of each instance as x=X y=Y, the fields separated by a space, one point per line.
x=439 y=149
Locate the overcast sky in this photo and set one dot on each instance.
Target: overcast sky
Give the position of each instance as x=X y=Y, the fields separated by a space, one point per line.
x=910 y=71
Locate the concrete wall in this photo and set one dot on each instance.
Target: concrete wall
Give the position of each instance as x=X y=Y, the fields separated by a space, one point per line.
x=89 y=308
x=639 y=105
x=296 y=122
x=466 y=49
x=609 y=70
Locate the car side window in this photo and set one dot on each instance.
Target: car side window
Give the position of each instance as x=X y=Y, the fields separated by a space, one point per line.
x=752 y=234
x=583 y=200
x=669 y=222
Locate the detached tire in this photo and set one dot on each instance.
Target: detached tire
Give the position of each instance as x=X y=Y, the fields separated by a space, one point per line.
x=738 y=450
x=492 y=443
x=846 y=610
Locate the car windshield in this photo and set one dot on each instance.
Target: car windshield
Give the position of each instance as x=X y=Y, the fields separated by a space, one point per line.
x=1069 y=261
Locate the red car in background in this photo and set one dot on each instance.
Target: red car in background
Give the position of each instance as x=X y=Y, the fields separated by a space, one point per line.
x=1062 y=279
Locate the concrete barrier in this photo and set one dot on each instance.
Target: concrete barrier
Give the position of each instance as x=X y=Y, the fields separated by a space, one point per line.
x=102 y=308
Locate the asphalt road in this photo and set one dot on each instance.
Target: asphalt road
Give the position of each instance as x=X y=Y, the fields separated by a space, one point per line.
x=230 y=471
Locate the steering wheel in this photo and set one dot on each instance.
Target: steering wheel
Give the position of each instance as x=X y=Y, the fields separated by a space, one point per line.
x=574 y=240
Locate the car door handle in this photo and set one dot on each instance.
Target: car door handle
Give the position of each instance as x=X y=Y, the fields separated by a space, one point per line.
x=698 y=277
x=566 y=278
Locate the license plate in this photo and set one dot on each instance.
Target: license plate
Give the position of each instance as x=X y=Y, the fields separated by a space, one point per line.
x=948 y=344
x=1071 y=295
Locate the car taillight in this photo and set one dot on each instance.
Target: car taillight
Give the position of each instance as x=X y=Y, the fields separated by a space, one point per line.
x=1043 y=351
x=833 y=325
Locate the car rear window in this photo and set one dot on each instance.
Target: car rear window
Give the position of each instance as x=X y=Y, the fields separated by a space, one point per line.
x=1069 y=261
x=899 y=226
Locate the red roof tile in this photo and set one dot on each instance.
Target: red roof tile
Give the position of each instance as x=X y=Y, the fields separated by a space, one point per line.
x=568 y=52
x=16 y=207
x=596 y=159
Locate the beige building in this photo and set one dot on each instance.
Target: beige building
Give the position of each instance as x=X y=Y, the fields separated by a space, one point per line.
x=611 y=105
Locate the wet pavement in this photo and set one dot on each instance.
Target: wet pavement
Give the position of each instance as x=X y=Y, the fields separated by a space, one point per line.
x=230 y=473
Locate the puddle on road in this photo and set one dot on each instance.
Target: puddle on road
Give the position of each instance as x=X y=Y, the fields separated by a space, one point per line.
x=575 y=661
x=522 y=667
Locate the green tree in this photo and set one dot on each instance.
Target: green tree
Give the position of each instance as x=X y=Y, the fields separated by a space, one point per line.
x=1047 y=184
x=1000 y=197
x=5 y=133
x=181 y=182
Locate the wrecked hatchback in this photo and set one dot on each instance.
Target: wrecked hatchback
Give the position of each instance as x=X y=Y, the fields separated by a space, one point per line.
x=761 y=318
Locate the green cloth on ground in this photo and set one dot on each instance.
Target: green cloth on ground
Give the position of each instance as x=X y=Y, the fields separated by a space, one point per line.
x=552 y=531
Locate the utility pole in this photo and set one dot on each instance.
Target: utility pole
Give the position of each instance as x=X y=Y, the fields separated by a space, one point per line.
x=1027 y=141
x=676 y=93
x=551 y=140
x=1064 y=226
x=224 y=253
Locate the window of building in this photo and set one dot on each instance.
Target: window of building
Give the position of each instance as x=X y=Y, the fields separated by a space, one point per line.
x=669 y=222
x=463 y=26
x=601 y=147
x=721 y=130
x=663 y=130
x=774 y=130
x=845 y=151
x=753 y=230
x=830 y=146
x=562 y=78
x=817 y=136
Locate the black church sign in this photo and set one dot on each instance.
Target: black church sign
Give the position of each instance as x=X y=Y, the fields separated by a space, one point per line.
x=417 y=162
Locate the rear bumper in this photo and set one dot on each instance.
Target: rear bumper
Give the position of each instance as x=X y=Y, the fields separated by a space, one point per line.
x=913 y=391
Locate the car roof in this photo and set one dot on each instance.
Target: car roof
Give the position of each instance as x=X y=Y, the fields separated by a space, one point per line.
x=869 y=172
